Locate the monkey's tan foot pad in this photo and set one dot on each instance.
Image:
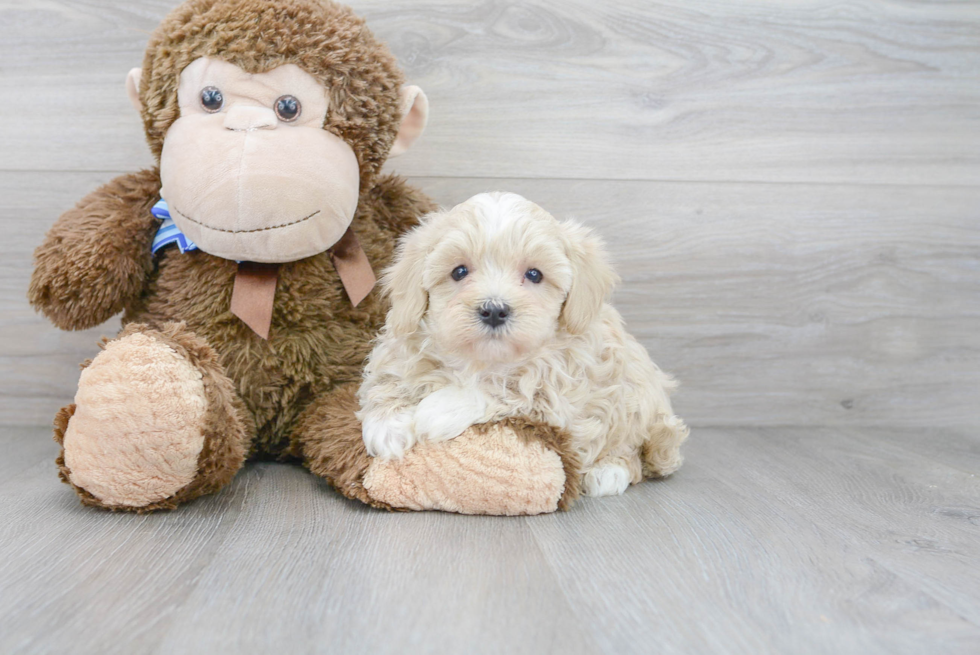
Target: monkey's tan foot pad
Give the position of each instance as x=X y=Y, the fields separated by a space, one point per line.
x=153 y=423
x=512 y=468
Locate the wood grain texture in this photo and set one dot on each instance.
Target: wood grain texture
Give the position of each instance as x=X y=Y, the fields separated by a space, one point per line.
x=764 y=546
x=878 y=91
x=767 y=541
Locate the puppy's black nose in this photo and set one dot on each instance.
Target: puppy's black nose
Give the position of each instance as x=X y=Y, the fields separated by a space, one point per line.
x=494 y=314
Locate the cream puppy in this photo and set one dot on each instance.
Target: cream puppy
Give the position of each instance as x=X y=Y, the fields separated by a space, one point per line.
x=497 y=310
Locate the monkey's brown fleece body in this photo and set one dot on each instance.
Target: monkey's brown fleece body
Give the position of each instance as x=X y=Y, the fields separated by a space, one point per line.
x=291 y=396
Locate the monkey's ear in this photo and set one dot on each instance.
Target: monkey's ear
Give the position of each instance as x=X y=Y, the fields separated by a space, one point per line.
x=133 y=88
x=414 y=108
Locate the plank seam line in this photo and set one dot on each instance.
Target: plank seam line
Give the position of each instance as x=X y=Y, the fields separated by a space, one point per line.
x=573 y=179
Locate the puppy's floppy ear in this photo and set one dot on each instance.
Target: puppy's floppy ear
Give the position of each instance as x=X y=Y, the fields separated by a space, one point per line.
x=593 y=277
x=402 y=281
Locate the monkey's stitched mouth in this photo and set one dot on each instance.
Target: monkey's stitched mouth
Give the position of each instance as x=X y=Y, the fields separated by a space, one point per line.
x=258 y=229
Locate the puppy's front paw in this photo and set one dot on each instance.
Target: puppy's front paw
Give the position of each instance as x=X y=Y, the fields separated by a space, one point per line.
x=606 y=480
x=388 y=437
x=444 y=414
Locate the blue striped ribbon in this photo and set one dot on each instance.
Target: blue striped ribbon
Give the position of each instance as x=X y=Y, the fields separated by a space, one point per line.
x=168 y=232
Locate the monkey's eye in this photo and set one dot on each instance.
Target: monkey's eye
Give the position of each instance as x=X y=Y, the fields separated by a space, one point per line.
x=534 y=275
x=288 y=108
x=211 y=99
x=460 y=272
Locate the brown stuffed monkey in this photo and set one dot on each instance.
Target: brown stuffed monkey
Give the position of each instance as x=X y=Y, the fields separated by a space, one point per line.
x=248 y=310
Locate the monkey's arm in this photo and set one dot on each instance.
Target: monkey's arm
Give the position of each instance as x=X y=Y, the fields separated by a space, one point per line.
x=95 y=259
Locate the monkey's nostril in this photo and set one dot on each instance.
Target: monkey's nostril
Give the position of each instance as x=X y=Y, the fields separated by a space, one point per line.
x=248 y=119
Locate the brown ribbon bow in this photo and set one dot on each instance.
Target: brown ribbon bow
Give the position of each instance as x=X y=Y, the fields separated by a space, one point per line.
x=255 y=284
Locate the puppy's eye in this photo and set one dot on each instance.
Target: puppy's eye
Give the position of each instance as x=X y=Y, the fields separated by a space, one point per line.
x=460 y=272
x=534 y=275
x=211 y=99
x=288 y=108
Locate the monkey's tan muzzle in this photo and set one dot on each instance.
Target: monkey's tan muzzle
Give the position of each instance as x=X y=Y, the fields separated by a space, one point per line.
x=280 y=193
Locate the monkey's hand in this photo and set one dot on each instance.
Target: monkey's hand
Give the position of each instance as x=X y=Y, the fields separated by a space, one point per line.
x=95 y=260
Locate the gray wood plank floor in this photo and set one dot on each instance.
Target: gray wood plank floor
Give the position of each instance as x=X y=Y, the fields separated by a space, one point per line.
x=781 y=540
x=790 y=192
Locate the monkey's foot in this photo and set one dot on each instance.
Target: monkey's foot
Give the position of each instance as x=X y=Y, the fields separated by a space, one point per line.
x=155 y=423
x=507 y=468
x=510 y=468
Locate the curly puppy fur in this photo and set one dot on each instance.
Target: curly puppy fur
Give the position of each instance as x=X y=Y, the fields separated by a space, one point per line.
x=561 y=357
